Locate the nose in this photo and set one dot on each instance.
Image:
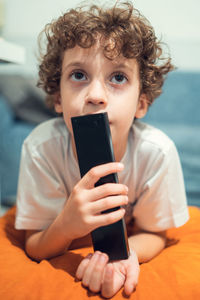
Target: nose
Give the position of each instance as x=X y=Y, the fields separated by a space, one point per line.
x=96 y=94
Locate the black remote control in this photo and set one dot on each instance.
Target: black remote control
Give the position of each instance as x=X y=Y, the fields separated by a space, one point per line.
x=94 y=147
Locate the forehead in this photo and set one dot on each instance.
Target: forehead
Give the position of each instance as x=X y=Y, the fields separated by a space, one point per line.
x=96 y=54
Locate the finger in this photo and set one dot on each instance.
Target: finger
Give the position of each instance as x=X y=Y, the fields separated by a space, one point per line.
x=94 y=174
x=108 y=218
x=82 y=267
x=109 y=189
x=107 y=289
x=131 y=279
x=89 y=269
x=97 y=274
x=108 y=203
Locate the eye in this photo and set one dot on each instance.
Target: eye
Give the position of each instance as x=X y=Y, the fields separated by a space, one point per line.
x=118 y=78
x=78 y=76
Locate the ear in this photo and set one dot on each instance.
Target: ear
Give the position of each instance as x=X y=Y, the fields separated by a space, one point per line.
x=142 y=106
x=57 y=103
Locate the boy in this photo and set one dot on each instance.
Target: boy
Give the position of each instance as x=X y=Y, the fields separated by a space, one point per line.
x=101 y=60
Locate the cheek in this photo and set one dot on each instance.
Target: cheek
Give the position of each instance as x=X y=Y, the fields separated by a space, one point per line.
x=127 y=114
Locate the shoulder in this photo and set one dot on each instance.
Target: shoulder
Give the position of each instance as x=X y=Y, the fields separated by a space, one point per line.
x=152 y=149
x=47 y=133
x=151 y=139
x=159 y=186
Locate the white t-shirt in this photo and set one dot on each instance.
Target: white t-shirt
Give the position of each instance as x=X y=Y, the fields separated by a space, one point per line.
x=49 y=171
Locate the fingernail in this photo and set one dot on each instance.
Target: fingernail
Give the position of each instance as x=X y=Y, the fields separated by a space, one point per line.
x=96 y=254
x=102 y=258
x=120 y=165
x=126 y=199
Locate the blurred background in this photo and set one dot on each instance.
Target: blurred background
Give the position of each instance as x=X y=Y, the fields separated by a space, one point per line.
x=176 y=21
x=176 y=112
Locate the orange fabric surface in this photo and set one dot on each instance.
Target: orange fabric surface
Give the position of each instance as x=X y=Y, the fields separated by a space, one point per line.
x=173 y=274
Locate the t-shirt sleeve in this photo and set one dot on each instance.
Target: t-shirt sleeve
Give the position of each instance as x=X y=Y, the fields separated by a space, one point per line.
x=160 y=196
x=41 y=192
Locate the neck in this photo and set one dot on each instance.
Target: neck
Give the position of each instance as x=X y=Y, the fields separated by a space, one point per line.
x=120 y=148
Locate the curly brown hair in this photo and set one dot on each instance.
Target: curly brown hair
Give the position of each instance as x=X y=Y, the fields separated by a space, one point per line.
x=131 y=34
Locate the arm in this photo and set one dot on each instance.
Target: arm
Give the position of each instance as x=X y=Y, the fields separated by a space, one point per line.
x=47 y=243
x=147 y=244
x=81 y=213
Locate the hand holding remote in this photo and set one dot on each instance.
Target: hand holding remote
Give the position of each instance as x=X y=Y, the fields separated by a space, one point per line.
x=82 y=212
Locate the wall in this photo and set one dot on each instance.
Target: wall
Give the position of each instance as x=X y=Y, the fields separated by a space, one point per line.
x=177 y=21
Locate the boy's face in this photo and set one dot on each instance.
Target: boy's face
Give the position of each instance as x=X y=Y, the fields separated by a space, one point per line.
x=91 y=83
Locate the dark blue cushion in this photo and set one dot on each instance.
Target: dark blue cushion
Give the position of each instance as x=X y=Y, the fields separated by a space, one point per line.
x=177 y=113
x=12 y=135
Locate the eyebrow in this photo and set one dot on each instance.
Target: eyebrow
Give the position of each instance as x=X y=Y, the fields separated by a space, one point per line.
x=82 y=65
x=122 y=66
x=74 y=64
